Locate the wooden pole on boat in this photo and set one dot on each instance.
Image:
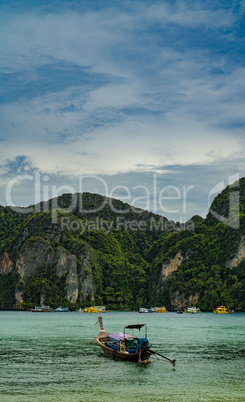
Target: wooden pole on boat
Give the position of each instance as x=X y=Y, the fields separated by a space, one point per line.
x=101 y=323
x=102 y=333
x=156 y=353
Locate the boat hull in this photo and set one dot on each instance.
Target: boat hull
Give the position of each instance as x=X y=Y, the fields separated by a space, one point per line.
x=133 y=357
x=42 y=310
x=220 y=312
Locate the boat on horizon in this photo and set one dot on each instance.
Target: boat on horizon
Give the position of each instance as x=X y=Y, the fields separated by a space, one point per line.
x=126 y=346
x=221 y=310
x=61 y=309
x=42 y=309
x=160 y=310
x=95 y=309
x=101 y=309
x=193 y=310
x=145 y=310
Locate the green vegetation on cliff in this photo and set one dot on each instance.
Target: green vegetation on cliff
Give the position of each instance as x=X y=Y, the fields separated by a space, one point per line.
x=80 y=250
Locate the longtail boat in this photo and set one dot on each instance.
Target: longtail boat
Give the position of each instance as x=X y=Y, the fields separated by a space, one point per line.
x=43 y=309
x=125 y=346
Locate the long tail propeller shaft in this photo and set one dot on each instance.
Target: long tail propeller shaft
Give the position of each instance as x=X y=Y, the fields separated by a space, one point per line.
x=164 y=357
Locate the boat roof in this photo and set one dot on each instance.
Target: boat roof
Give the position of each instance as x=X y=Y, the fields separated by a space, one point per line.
x=117 y=336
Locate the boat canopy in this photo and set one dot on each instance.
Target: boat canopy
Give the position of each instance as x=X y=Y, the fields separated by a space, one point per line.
x=117 y=336
x=137 y=326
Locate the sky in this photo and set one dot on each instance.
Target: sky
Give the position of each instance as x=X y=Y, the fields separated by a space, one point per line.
x=143 y=101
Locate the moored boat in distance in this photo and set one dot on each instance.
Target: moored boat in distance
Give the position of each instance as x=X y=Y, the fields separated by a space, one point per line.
x=221 y=310
x=125 y=346
x=43 y=309
x=95 y=309
x=145 y=310
x=61 y=309
x=101 y=309
x=160 y=310
x=90 y=310
x=193 y=310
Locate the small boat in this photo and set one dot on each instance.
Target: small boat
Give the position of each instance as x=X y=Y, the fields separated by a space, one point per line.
x=61 y=310
x=160 y=310
x=151 y=310
x=43 y=309
x=193 y=310
x=180 y=311
x=221 y=310
x=125 y=346
x=145 y=310
x=100 y=308
x=91 y=310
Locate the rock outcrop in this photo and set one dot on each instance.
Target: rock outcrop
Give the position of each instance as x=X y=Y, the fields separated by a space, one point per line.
x=180 y=302
x=87 y=289
x=240 y=255
x=37 y=257
x=6 y=265
x=172 y=266
x=32 y=257
x=66 y=264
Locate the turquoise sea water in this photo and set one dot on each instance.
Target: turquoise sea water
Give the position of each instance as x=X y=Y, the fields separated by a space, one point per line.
x=54 y=357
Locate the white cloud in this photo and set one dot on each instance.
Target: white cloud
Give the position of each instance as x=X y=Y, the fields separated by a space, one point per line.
x=193 y=15
x=112 y=90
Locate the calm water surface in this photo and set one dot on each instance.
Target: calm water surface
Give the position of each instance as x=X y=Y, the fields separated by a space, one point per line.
x=53 y=357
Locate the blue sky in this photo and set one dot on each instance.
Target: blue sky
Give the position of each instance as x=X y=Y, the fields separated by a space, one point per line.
x=133 y=92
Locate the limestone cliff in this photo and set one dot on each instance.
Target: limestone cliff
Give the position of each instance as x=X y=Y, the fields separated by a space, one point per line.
x=37 y=258
x=30 y=260
x=66 y=264
x=32 y=257
x=6 y=265
x=172 y=266
x=85 y=275
x=180 y=302
x=240 y=255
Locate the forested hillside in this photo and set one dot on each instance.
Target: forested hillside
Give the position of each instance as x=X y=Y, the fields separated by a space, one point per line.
x=84 y=249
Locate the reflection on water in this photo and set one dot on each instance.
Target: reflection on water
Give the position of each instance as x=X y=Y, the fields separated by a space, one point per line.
x=53 y=357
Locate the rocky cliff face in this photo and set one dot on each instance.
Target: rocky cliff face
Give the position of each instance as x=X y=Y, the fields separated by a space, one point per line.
x=37 y=258
x=6 y=265
x=240 y=255
x=172 y=266
x=66 y=264
x=32 y=258
x=87 y=289
x=180 y=302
